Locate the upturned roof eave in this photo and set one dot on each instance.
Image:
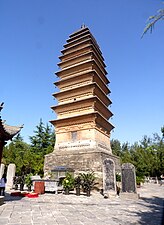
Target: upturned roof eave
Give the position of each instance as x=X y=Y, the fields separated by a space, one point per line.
x=7 y=132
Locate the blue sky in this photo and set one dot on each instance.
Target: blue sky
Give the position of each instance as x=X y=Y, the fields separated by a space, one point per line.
x=32 y=33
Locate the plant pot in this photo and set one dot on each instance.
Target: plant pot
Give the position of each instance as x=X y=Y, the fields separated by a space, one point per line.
x=88 y=193
x=67 y=191
x=29 y=188
x=21 y=187
x=78 y=191
x=16 y=186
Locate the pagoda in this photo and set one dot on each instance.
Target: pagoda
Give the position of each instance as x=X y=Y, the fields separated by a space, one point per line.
x=82 y=125
x=6 y=133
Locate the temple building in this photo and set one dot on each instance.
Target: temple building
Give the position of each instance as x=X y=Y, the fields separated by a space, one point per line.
x=82 y=125
x=6 y=133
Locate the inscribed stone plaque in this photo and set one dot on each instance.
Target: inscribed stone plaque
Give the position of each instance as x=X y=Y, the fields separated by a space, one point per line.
x=2 y=169
x=10 y=175
x=109 y=181
x=128 y=178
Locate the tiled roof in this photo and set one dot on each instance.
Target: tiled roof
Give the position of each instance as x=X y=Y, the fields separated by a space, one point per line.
x=7 y=132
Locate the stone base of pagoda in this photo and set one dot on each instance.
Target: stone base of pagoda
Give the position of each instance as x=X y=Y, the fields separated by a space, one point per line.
x=84 y=160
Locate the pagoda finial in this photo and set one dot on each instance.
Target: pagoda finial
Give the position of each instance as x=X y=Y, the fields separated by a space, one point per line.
x=1 y=106
x=83 y=25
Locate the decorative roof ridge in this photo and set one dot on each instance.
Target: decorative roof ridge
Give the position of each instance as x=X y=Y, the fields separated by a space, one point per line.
x=8 y=131
x=12 y=130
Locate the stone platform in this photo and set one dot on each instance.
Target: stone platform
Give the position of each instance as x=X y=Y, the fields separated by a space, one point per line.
x=80 y=160
x=70 y=209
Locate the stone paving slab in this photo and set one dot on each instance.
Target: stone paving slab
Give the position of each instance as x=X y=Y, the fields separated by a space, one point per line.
x=51 y=209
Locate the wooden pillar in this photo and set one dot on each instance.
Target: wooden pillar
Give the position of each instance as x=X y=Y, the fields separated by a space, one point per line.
x=2 y=144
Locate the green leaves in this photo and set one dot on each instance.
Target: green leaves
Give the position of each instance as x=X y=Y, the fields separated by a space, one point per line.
x=88 y=180
x=30 y=157
x=68 y=181
x=146 y=155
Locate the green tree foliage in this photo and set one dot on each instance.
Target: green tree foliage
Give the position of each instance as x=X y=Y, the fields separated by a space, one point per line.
x=147 y=155
x=116 y=147
x=29 y=158
x=18 y=152
x=43 y=141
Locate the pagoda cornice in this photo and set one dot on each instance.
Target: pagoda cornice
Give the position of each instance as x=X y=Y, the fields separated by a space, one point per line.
x=63 y=105
x=83 y=57
x=91 y=62
x=88 y=41
x=92 y=86
x=95 y=117
x=84 y=32
x=75 y=40
x=80 y=32
x=88 y=104
x=80 y=75
x=73 y=43
x=76 y=52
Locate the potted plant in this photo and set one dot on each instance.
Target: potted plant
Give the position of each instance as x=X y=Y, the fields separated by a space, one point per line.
x=139 y=180
x=77 y=184
x=68 y=183
x=28 y=181
x=88 y=182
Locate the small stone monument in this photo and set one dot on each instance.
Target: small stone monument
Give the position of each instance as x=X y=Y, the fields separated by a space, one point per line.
x=128 y=181
x=10 y=175
x=109 y=179
x=2 y=169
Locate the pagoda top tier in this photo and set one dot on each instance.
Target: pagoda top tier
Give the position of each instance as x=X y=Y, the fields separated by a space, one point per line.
x=7 y=132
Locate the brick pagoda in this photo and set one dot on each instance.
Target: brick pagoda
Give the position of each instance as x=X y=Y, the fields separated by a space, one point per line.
x=82 y=127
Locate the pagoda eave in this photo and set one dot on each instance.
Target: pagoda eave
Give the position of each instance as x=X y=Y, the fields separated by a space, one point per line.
x=89 y=61
x=84 y=74
x=94 y=117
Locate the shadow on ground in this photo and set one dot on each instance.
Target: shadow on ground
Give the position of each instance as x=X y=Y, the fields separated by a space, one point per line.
x=9 y=198
x=155 y=215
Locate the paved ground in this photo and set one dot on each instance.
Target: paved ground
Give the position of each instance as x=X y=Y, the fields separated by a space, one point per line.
x=70 y=209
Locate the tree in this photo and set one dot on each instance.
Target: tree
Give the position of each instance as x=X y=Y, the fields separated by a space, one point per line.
x=16 y=152
x=162 y=130
x=152 y=20
x=44 y=139
x=42 y=143
x=29 y=158
x=116 y=147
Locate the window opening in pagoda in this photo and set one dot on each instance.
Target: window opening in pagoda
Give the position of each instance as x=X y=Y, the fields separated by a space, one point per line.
x=74 y=135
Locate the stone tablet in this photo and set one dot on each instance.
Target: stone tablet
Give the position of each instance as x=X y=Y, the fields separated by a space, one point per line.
x=2 y=169
x=10 y=175
x=128 y=178
x=109 y=180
